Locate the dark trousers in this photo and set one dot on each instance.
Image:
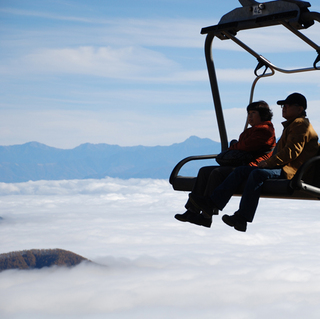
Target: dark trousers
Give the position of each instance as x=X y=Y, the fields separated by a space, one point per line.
x=208 y=179
x=250 y=197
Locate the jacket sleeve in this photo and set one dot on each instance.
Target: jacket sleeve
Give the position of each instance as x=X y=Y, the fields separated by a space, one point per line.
x=294 y=145
x=253 y=139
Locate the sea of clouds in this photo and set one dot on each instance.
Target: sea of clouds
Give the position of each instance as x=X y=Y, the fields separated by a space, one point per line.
x=149 y=265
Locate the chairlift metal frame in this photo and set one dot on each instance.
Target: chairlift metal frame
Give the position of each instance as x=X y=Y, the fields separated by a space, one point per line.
x=293 y=15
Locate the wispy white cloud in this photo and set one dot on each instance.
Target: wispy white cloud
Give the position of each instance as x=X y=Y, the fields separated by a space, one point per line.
x=44 y=15
x=170 y=32
x=178 y=33
x=125 y=62
x=132 y=48
x=132 y=63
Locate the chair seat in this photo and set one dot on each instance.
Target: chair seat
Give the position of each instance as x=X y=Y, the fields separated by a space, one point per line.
x=272 y=188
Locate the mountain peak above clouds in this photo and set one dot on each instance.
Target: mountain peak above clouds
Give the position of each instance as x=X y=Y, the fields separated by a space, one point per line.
x=195 y=140
x=39 y=258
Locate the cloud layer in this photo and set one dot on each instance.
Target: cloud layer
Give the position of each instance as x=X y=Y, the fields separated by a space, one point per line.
x=150 y=265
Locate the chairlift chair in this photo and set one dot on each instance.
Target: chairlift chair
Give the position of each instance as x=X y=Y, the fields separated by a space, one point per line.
x=294 y=15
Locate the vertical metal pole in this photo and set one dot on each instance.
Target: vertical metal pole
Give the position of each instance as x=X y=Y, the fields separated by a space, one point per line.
x=215 y=92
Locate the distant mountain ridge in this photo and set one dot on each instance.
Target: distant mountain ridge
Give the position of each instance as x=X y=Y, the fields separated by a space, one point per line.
x=36 y=161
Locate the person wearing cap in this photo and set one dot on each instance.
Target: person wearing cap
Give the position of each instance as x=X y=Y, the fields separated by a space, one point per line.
x=297 y=144
x=258 y=140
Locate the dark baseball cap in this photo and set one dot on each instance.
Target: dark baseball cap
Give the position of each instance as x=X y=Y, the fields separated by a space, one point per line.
x=294 y=98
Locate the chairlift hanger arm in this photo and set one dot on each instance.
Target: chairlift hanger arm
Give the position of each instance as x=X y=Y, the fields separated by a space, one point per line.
x=292 y=14
x=215 y=92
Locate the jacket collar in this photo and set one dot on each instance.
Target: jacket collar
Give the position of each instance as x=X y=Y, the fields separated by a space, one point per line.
x=287 y=123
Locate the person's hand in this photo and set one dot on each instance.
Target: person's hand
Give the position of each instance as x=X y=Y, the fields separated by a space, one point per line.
x=263 y=164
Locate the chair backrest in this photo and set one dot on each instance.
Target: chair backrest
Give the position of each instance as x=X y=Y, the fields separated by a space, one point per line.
x=316 y=172
x=312 y=174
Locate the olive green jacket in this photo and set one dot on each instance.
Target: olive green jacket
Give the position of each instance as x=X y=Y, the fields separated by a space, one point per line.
x=298 y=143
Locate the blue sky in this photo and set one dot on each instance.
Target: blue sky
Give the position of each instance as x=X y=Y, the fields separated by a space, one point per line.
x=133 y=72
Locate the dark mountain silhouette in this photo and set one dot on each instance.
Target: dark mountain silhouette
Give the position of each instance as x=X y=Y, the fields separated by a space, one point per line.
x=39 y=258
x=35 y=161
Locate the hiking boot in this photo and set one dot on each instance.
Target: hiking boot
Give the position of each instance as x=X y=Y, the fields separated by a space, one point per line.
x=183 y=217
x=236 y=221
x=201 y=220
x=204 y=204
x=194 y=218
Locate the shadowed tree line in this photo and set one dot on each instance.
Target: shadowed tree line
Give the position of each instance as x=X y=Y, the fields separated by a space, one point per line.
x=39 y=258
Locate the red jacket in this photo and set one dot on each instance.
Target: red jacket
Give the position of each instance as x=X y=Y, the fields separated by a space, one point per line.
x=258 y=139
